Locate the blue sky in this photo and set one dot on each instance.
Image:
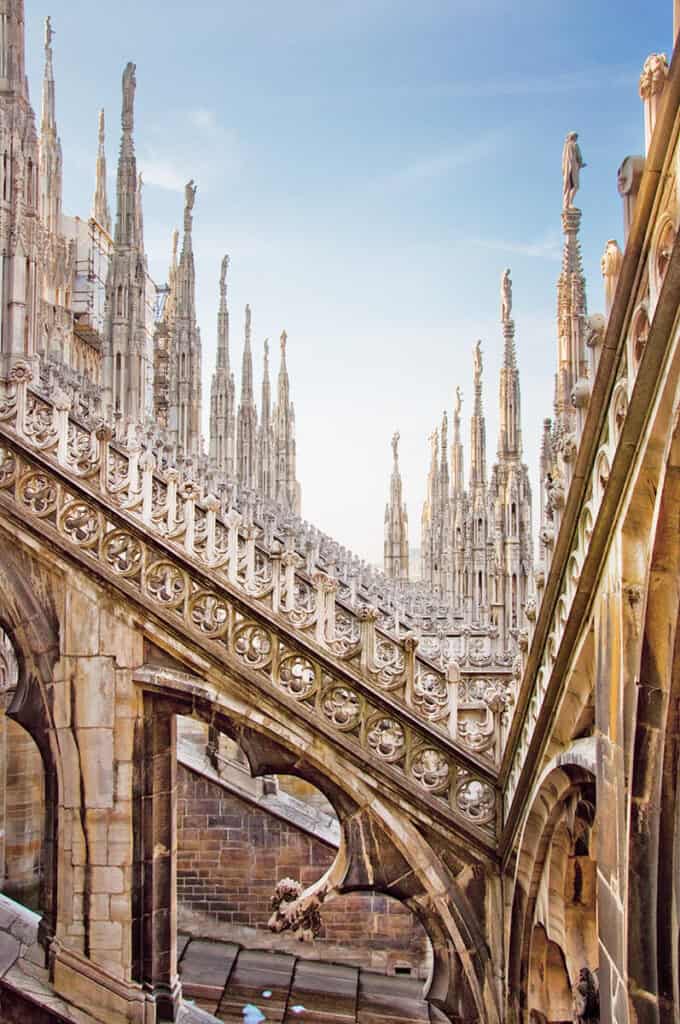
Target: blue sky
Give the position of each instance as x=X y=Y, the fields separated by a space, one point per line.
x=371 y=168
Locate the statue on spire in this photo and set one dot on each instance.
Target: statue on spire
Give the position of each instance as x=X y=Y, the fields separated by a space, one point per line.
x=223 y=276
x=395 y=445
x=189 y=200
x=49 y=36
x=458 y=404
x=572 y=162
x=506 y=296
x=284 y=340
x=477 y=363
x=129 y=86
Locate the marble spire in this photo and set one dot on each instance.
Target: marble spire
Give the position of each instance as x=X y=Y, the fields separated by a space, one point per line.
x=222 y=417
x=396 y=552
x=185 y=342
x=246 y=426
x=127 y=220
x=477 y=425
x=509 y=434
x=287 y=489
x=100 y=202
x=12 y=52
x=51 y=160
x=265 y=443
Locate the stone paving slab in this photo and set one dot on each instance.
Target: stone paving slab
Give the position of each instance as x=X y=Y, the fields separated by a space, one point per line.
x=256 y=972
x=205 y=967
x=322 y=993
x=387 y=1000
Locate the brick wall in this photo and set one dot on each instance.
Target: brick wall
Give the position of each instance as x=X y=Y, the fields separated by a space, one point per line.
x=231 y=855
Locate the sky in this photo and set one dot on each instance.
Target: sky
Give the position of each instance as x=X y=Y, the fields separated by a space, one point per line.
x=371 y=167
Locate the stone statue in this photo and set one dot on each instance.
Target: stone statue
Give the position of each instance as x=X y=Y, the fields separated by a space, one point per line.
x=457 y=405
x=506 y=296
x=586 y=998
x=395 y=445
x=295 y=911
x=189 y=200
x=477 y=361
x=284 y=339
x=49 y=34
x=572 y=162
x=223 y=275
x=129 y=86
x=189 y=195
x=610 y=264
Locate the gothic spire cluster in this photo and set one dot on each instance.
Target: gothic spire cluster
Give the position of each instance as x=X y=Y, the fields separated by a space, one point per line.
x=476 y=549
x=82 y=303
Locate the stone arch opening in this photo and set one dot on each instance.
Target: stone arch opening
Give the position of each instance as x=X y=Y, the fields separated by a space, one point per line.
x=382 y=849
x=553 y=947
x=240 y=836
x=22 y=797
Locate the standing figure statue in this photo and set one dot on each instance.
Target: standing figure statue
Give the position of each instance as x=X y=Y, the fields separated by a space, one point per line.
x=506 y=296
x=129 y=86
x=458 y=403
x=477 y=362
x=395 y=445
x=49 y=34
x=572 y=162
x=223 y=276
x=189 y=200
x=586 y=998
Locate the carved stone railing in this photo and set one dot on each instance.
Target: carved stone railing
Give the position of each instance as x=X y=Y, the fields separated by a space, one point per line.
x=206 y=576
x=404 y=605
x=472 y=709
x=629 y=350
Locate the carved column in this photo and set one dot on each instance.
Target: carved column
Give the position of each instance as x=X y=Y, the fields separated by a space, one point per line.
x=156 y=856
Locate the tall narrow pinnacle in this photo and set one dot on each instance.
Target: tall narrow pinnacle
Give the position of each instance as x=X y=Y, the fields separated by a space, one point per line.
x=48 y=122
x=509 y=434
x=127 y=220
x=247 y=364
x=186 y=274
x=457 y=474
x=396 y=522
x=50 y=146
x=266 y=386
x=283 y=382
x=223 y=320
x=478 y=426
x=100 y=203
x=12 y=52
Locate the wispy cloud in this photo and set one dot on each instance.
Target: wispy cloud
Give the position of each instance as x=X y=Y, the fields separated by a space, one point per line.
x=547 y=248
x=161 y=172
x=441 y=165
x=579 y=80
x=190 y=144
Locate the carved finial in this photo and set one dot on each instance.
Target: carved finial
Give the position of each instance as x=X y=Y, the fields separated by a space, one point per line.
x=283 y=342
x=129 y=86
x=572 y=162
x=102 y=134
x=266 y=350
x=175 y=244
x=457 y=405
x=506 y=296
